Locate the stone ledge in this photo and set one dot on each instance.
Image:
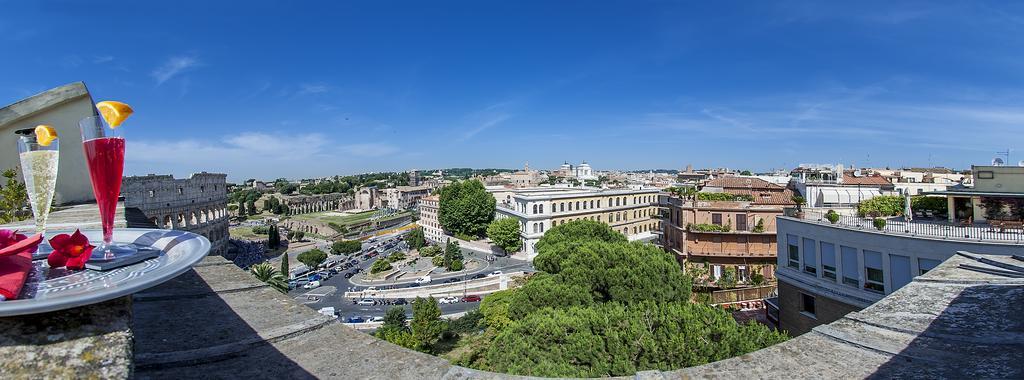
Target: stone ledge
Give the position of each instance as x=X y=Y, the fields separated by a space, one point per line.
x=90 y=341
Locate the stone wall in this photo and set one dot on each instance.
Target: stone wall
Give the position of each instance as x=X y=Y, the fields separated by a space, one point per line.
x=305 y=204
x=792 y=320
x=196 y=204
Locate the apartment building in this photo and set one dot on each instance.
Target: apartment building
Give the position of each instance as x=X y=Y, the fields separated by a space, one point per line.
x=432 y=230
x=632 y=212
x=827 y=269
x=736 y=230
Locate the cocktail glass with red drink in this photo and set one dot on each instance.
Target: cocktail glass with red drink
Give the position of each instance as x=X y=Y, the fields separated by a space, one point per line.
x=104 y=155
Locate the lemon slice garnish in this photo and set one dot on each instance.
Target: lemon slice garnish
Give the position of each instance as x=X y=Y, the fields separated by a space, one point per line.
x=45 y=135
x=114 y=112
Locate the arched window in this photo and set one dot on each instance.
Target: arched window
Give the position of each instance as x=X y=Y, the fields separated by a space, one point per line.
x=541 y=208
x=562 y=206
x=618 y=202
x=577 y=205
x=599 y=218
x=591 y=203
x=598 y=203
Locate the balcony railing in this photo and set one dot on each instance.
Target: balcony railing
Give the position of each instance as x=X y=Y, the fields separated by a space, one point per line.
x=919 y=228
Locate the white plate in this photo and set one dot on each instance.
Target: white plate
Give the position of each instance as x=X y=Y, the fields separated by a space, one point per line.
x=58 y=289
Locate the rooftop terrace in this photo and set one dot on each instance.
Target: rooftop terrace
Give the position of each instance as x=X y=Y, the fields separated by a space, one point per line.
x=218 y=321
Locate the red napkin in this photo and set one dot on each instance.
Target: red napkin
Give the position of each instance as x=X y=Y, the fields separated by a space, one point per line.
x=13 y=272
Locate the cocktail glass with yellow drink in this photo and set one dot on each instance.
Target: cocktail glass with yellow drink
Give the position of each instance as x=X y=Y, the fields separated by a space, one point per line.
x=38 y=150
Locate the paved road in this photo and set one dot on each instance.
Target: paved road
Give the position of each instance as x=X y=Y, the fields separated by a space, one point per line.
x=346 y=308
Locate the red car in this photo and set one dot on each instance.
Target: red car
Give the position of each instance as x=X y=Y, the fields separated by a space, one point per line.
x=471 y=298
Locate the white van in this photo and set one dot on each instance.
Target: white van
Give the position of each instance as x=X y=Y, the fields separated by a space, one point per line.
x=312 y=285
x=423 y=280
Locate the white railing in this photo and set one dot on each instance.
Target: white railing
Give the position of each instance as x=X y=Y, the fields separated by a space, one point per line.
x=934 y=229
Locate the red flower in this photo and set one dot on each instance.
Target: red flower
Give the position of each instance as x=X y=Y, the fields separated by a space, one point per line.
x=11 y=242
x=71 y=251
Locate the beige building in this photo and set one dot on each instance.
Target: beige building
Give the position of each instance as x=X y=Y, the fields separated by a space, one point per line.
x=61 y=108
x=738 y=234
x=632 y=212
x=428 y=207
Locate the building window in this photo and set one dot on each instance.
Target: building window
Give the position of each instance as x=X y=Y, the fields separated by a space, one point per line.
x=807 y=305
x=541 y=208
x=899 y=266
x=828 y=260
x=570 y=206
x=810 y=257
x=794 y=252
x=562 y=206
x=152 y=193
x=599 y=218
x=850 y=276
x=591 y=203
x=716 y=219
x=875 y=280
x=617 y=202
x=577 y=205
x=741 y=222
x=925 y=265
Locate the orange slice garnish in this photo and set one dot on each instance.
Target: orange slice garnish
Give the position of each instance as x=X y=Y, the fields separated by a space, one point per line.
x=114 y=112
x=45 y=135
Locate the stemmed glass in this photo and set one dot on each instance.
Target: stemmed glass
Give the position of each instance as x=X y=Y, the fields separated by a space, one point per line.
x=39 y=168
x=104 y=155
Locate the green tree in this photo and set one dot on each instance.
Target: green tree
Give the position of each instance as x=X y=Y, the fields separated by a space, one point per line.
x=883 y=205
x=566 y=236
x=453 y=257
x=613 y=339
x=430 y=251
x=466 y=208
x=250 y=206
x=284 y=265
x=395 y=318
x=273 y=237
x=380 y=265
x=345 y=247
x=266 y=273
x=746 y=172
x=505 y=233
x=312 y=258
x=416 y=239
x=728 y=279
x=426 y=325
x=241 y=209
x=13 y=198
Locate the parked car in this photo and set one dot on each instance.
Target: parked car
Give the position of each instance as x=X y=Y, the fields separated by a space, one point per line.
x=451 y=281
x=423 y=280
x=471 y=298
x=401 y=301
x=311 y=285
x=355 y=320
x=314 y=277
x=377 y=319
x=495 y=273
x=478 y=275
x=366 y=302
x=349 y=275
x=448 y=300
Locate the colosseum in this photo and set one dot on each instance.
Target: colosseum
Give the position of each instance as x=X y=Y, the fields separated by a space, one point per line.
x=196 y=204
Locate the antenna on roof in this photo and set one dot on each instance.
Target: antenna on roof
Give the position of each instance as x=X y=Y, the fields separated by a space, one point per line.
x=1005 y=153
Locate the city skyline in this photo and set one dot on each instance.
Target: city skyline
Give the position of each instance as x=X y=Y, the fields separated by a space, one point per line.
x=364 y=87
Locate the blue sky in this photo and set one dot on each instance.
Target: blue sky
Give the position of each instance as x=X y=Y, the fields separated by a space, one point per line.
x=269 y=89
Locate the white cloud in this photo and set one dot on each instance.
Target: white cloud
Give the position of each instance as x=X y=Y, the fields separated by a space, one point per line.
x=173 y=67
x=370 y=149
x=312 y=88
x=250 y=154
x=100 y=59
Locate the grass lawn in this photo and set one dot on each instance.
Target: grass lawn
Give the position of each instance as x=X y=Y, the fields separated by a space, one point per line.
x=245 y=233
x=345 y=220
